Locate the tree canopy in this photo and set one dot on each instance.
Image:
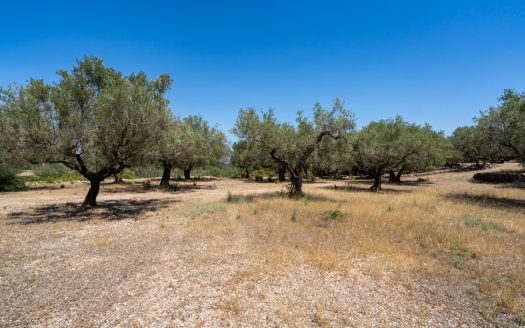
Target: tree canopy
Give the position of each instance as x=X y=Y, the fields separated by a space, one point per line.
x=504 y=126
x=93 y=120
x=248 y=156
x=292 y=145
x=499 y=132
x=395 y=144
x=198 y=145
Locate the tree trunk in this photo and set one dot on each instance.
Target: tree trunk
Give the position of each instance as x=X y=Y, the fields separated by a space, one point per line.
x=187 y=175
x=91 y=197
x=377 y=181
x=166 y=175
x=391 y=176
x=281 y=172
x=397 y=179
x=247 y=173
x=296 y=188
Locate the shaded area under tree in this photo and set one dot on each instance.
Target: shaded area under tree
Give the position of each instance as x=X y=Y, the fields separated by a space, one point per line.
x=120 y=209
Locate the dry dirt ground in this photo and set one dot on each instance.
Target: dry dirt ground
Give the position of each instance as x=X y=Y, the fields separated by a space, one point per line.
x=448 y=253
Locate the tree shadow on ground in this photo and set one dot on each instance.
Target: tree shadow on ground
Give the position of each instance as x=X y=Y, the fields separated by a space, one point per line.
x=352 y=188
x=500 y=185
x=106 y=210
x=511 y=186
x=141 y=188
x=487 y=200
x=195 y=178
x=412 y=183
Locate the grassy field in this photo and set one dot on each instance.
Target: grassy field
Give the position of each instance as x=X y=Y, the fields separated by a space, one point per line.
x=447 y=252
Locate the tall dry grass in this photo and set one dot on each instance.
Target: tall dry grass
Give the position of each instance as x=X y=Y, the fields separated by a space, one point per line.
x=452 y=228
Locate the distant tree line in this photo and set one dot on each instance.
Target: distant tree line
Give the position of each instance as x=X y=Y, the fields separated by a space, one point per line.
x=98 y=122
x=330 y=146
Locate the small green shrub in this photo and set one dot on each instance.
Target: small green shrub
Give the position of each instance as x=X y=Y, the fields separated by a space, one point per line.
x=68 y=176
x=475 y=222
x=128 y=174
x=462 y=248
x=458 y=262
x=9 y=181
x=336 y=213
x=51 y=173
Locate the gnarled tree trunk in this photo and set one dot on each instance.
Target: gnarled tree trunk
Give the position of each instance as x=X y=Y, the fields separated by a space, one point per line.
x=296 y=187
x=166 y=175
x=377 y=181
x=391 y=176
x=187 y=175
x=91 y=197
x=397 y=179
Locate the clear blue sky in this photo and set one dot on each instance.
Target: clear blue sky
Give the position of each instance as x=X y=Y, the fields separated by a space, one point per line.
x=431 y=61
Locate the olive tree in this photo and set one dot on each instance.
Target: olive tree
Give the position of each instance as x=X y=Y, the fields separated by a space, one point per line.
x=395 y=144
x=5 y=128
x=503 y=127
x=291 y=146
x=170 y=143
x=199 y=145
x=471 y=144
x=93 y=120
x=428 y=148
x=248 y=156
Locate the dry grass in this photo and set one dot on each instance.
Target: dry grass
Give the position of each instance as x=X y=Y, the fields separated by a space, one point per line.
x=442 y=254
x=429 y=231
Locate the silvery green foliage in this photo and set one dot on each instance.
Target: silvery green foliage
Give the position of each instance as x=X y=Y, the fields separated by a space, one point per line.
x=292 y=145
x=93 y=120
x=198 y=144
x=396 y=144
x=249 y=156
x=504 y=126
